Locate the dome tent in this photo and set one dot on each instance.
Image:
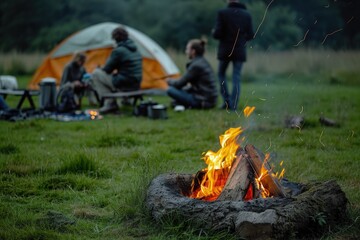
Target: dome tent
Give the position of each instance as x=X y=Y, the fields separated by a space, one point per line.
x=96 y=42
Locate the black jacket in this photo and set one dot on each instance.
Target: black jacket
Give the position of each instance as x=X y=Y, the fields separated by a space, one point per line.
x=127 y=60
x=200 y=79
x=233 y=28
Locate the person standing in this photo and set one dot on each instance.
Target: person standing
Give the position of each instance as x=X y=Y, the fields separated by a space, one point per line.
x=122 y=70
x=233 y=28
x=197 y=87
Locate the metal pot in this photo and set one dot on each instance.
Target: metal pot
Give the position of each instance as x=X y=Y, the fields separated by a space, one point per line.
x=144 y=108
x=48 y=94
x=157 y=112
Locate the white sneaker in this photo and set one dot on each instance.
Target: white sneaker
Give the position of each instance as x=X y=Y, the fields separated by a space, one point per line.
x=179 y=108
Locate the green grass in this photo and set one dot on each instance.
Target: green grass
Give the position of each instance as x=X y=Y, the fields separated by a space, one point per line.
x=96 y=173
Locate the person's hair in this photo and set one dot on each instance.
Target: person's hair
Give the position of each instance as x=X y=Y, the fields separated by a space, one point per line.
x=198 y=45
x=79 y=56
x=119 y=34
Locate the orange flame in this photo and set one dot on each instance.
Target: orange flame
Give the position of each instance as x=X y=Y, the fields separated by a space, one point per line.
x=219 y=163
x=93 y=114
x=218 y=166
x=249 y=193
x=248 y=111
x=264 y=172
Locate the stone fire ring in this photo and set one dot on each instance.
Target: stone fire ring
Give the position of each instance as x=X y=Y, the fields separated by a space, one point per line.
x=313 y=209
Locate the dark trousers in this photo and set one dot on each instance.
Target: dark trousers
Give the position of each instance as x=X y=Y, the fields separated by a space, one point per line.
x=183 y=98
x=231 y=100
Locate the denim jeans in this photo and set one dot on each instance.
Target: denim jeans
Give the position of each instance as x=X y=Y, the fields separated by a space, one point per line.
x=183 y=98
x=3 y=105
x=230 y=100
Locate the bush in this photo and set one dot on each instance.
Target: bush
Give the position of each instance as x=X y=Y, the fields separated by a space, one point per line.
x=345 y=77
x=17 y=68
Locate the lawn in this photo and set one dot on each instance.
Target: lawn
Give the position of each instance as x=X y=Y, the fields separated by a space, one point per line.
x=94 y=174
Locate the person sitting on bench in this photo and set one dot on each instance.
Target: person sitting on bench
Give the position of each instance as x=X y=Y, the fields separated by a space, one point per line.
x=122 y=70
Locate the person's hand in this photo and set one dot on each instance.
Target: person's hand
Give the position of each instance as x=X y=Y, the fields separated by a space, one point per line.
x=170 y=81
x=77 y=84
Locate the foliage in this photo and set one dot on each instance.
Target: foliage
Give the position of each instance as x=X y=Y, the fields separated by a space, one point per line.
x=174 y=30
x=276 y=30
x=323 y=17
x=41 y=24
x=54 y=34
x=320 y=219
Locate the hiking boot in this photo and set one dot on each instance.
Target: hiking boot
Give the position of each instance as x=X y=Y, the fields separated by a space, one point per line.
x=92 y=99
x=109 y=107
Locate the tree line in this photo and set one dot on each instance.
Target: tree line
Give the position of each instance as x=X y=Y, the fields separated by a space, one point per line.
x=38 y=25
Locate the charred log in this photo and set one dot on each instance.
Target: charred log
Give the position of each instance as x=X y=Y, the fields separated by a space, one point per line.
x=328 y=122
x=240 y=179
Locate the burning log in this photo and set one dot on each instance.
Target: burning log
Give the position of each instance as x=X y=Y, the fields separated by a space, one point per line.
x=257 y=162
x=240 y=183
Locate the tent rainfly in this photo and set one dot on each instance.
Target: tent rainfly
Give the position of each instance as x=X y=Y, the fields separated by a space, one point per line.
x=96 y=42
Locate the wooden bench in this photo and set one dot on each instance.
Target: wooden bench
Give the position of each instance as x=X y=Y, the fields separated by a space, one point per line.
x=23 y=93
x=134 y=95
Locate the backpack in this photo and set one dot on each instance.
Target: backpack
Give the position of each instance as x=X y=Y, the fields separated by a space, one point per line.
x=66 y=100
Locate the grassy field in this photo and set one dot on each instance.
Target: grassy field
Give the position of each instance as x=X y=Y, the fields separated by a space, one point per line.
x=95 y=174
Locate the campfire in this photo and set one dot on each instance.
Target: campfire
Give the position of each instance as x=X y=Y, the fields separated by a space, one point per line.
x=234 y=173
x=239 y=192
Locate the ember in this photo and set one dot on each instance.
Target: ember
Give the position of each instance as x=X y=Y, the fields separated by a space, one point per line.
x=93 y=114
